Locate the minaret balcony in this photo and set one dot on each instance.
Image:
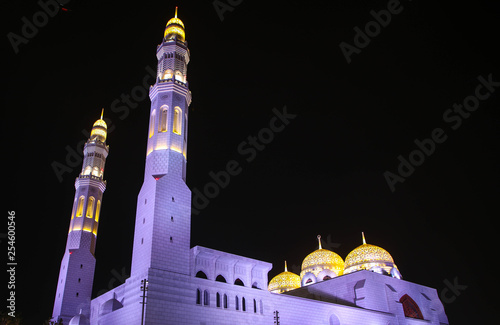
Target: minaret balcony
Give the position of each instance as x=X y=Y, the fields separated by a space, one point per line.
x=98 y=178
x=91 y=180
x=185 y=84
x=175 y=86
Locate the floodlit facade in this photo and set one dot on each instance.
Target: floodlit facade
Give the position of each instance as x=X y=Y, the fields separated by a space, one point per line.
x=174 y=283
x=76 y=275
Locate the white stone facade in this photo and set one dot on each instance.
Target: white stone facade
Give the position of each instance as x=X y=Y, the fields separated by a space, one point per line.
x=361 y=297
x=76 y=274
x=202 y=286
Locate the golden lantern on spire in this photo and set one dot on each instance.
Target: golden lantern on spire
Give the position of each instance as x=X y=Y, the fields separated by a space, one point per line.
x=175 y=29
x=99 y=129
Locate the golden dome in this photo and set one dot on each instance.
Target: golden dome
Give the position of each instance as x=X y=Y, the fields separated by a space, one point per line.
x=368 y=257
x=99 y=129
x=100 y=122
x=175 y=28
x=285 y=281
x=321 y=260
x=175 y=20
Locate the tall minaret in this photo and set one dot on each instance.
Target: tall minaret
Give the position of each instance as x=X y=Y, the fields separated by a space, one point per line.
x=163 y=217
x=74 y=286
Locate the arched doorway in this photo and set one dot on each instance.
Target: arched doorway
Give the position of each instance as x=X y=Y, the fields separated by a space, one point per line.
x=410 y=307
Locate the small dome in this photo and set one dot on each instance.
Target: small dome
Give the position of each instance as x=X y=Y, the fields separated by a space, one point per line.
x=323 y=263
x=370 y=257
x=100 y=122
x=285 y=281
x=175 y=29
x=79 y=319
x=175 y=20
x=110 y=306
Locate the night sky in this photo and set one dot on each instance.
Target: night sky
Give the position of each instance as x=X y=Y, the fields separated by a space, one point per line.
x=323 y=173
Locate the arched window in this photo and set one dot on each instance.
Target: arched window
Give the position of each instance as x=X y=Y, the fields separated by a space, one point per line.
x=73 y=211
x=97 y=210
x=206 y=298
x=236 y=303
x=334 y=320
x=95 y=171
x=410 y=307
x=225 y=301
x=326 y=277
x=179 y=76
x=177 y=120
x=162 y=127
x=198 y=296
x=90 y=207
x=254 y=306
x=94 y=229
x=238 y=282
x=201 y=275
x=87 y=170
x=152 y=124
x=79 y=207
x=217 y=301
x=243 y=304
x=220 y=278
x=168 y=74
x=308 y=278
x=185 y=126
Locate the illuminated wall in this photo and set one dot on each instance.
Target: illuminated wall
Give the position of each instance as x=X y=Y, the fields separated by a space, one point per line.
x=76 y=274
x=163 y=215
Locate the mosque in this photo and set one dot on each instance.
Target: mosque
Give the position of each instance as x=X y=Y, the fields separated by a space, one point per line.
x=174 y=283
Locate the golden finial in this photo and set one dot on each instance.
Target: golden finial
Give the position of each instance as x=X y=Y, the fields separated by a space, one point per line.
x=319 y=241
x=102 y=112
x=363 y=235
x=176 y=12
x=286 y=269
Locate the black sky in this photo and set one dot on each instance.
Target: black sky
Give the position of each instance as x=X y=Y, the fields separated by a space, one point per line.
x=323 y=174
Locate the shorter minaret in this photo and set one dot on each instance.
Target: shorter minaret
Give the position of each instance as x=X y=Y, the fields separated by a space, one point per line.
x=76 y=275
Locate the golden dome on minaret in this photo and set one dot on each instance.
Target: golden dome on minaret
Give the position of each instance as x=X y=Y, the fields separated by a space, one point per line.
x=370 y=257
x=320 y=265
x=175 y=29
x=285 y=281
x=99 y=129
